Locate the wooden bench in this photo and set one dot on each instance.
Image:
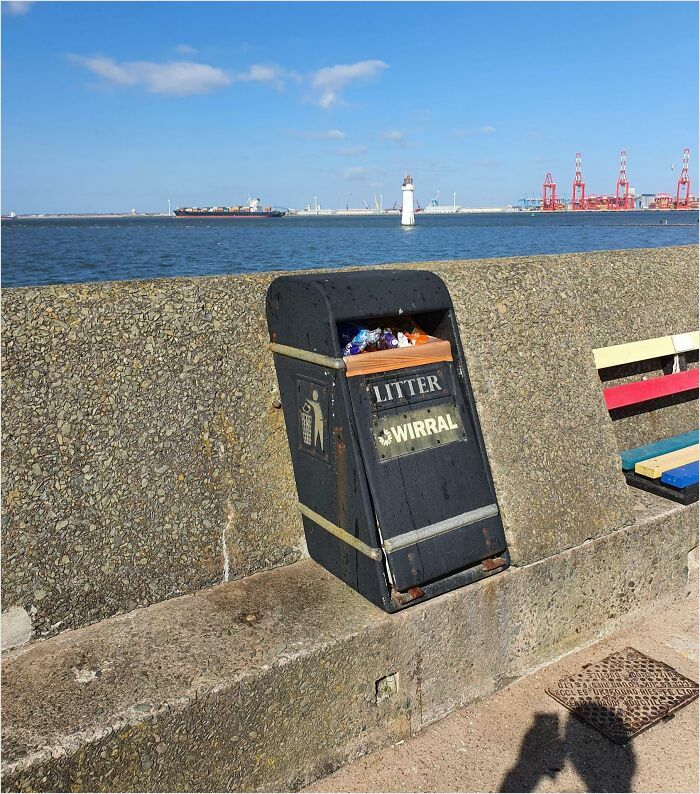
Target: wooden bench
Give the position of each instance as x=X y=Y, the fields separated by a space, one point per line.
x=655 y=467
x=683 y=476
x=632 y=352
x=667 y=467
x=642 y=390
x=630 y=457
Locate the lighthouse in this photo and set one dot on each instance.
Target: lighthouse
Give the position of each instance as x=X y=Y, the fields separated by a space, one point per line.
x=408 y=217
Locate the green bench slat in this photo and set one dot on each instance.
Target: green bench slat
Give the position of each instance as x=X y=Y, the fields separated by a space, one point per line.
x=631 y=457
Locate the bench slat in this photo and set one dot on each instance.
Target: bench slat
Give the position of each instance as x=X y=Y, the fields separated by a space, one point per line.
x=627 y=353
x=631 y=456
x=683 y=476
x=655 y=467
x=684 y=496
x=642 y=390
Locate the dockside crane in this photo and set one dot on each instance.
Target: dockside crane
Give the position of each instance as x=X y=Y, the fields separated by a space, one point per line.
x=623 y=186
x=684 y=184
x=578 y=191
x=549 y=194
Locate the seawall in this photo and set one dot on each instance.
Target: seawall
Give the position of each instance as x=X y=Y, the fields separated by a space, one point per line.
x=145 y=453
x=146 y=465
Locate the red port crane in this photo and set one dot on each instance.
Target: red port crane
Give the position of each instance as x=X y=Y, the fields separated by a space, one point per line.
x=578 y=191
x=684 y=184
x=623 y=200
x=549 y=194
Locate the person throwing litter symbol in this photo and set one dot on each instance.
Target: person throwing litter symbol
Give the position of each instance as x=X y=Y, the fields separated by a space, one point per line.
x=315 y=407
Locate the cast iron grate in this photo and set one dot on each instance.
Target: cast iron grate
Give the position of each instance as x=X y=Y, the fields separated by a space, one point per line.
x=624 y=694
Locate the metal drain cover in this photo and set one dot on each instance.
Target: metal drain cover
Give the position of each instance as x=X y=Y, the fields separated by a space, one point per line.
x=624 y=694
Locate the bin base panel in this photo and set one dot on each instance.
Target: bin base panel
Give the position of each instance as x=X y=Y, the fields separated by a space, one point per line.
x=468 y=576
x=368 y=578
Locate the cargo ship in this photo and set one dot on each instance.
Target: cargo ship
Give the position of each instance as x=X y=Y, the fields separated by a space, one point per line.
x=252 y=209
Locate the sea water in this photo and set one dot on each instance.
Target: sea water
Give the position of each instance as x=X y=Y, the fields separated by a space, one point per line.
x=55 y=251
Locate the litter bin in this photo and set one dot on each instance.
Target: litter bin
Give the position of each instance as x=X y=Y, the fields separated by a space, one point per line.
x=392 y=476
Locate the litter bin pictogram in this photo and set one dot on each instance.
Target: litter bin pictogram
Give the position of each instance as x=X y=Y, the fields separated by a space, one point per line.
x=306 y=423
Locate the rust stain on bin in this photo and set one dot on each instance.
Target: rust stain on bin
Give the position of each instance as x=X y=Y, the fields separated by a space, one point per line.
x=493 y=563
x=340 y=455
x=404 y=597
x=487 y=538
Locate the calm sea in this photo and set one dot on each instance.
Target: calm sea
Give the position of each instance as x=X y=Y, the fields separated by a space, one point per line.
x=54 y=251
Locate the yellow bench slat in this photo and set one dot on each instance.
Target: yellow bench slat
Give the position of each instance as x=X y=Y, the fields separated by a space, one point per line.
x=655 y=467
x=615 y=355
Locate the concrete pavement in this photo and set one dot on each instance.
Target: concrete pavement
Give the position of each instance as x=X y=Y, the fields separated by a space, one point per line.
x=521 y=739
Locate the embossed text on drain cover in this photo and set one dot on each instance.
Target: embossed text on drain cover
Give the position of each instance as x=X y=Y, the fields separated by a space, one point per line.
x=624 y=694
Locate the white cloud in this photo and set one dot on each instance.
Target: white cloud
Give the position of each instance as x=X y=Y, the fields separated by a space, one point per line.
x=187 y=77
x=17 y=7
x=334 y=134
x=266 y=73
x=374 y=177
x=314 y=135
x=356 y=173
x=471 y=132
x=394 y=135
x=331 y=80
x=176 y=77
x=352 y=151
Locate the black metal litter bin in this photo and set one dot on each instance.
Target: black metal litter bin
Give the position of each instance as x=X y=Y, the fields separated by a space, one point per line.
x=392 y=476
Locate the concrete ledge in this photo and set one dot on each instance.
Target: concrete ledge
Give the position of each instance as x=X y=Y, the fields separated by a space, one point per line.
x=272 y=681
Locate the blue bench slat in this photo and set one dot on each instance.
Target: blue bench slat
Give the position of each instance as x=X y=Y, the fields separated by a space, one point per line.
x=683 y=476
x=631 y=457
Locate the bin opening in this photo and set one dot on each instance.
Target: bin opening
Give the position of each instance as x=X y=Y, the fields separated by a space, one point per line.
x=379 y=344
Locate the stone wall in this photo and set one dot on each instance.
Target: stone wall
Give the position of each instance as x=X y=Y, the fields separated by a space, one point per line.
x=145 y=455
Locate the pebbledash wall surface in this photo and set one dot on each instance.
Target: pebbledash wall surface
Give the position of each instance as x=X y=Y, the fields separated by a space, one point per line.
x=144 y=449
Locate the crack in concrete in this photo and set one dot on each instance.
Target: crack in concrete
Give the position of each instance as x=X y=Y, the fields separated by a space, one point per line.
x=224 y=546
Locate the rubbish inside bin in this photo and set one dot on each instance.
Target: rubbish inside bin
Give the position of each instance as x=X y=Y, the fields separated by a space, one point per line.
x=389 y=334
x=389 y=343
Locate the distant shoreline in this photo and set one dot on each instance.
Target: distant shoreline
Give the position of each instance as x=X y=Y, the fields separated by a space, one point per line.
x=86 y=215
x=328 y=214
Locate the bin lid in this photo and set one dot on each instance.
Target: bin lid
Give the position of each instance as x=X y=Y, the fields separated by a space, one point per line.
x=303 y=310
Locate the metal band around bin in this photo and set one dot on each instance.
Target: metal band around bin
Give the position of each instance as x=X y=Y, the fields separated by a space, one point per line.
x=307 y=355
x=440 y=528
x=340 y=533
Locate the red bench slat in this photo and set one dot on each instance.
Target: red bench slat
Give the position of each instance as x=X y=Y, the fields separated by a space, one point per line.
x=642 y=390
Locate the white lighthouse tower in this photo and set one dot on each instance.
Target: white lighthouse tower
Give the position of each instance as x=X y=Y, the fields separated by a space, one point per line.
x=408 y=217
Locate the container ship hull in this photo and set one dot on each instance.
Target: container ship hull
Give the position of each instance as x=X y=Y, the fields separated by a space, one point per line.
x=235 y=214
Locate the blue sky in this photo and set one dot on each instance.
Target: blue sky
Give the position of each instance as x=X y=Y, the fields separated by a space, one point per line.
x=109 y=106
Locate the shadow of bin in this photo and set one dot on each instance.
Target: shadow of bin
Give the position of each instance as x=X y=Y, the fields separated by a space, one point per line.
x=392 y=476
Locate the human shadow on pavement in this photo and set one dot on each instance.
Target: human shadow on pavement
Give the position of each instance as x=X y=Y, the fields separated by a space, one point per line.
x=600 y=764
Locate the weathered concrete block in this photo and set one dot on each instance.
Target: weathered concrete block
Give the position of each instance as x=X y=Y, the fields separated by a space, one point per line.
x=272 y=681
x=142 y=453
x=144 y=456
